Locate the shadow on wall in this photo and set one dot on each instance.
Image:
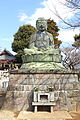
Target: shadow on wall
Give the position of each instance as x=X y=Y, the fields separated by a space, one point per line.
x=2 y=99
x=30 y=98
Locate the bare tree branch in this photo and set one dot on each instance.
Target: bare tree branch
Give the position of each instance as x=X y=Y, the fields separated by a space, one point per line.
x=72 y=58
x=74 y=5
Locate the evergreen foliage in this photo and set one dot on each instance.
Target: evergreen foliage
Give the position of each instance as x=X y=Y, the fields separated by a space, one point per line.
x=21 y=40
x=76 y=37
x=53 y=29
x=77 y=40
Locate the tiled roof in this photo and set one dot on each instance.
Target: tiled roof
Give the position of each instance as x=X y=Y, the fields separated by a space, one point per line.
x=6 y=55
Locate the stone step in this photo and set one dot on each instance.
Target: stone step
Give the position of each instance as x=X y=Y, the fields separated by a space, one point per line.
x=58 y=115
x=42 y=119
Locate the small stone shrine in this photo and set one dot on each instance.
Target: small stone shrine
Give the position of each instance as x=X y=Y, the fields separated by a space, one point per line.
x=42 y=83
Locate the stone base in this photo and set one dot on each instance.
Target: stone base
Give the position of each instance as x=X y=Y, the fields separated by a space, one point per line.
x=42 y=66
x=49 y=58
x=22 y=83
x=41 y=58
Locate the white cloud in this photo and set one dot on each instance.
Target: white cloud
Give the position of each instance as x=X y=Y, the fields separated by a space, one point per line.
x=22 y=17
x=67 y=36
x=47 y=11
x=57 y=5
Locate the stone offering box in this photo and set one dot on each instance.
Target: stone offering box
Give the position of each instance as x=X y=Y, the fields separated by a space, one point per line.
x=43 y=99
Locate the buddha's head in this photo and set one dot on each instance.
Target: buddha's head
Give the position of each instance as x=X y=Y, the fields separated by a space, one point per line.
x=41 y=24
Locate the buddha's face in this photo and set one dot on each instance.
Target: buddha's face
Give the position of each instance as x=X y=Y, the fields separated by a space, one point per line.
x=41 y=24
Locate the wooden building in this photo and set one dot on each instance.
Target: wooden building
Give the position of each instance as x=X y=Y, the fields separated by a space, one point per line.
x=7 y=60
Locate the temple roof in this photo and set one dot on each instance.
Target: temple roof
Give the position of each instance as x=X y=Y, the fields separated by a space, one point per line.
x=5 y=55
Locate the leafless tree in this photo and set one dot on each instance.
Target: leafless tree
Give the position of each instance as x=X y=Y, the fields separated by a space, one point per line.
x=72 y=58
x=74 y=6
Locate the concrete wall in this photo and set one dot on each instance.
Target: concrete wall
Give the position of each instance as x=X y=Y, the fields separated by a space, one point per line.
x=22 y=83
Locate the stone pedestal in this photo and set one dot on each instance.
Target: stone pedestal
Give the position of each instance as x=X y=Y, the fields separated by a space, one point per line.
x=22 y=83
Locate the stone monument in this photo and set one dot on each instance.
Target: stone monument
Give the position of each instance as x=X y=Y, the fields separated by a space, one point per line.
x=41 y=53
x=42 y=83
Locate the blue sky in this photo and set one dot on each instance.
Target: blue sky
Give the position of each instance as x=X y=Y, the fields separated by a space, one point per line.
x=9 y=21
x=15 y=13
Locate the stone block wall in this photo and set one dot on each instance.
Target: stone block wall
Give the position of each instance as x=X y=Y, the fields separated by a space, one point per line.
x=65 y=84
